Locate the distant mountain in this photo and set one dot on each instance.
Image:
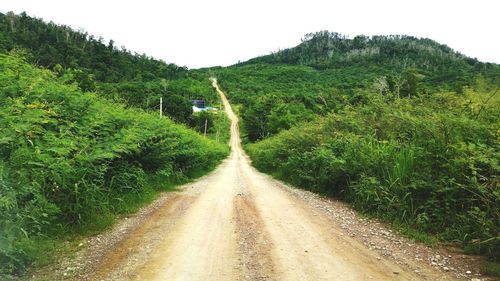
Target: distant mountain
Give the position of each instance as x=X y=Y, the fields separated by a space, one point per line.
x=390 y=54
x=331 y=49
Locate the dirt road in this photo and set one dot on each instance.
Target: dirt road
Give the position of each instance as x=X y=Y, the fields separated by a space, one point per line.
x=239 y=224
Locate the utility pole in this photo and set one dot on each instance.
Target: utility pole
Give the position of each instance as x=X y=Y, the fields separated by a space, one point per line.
x=206 y=121
x=217 y=126
x=161 y=106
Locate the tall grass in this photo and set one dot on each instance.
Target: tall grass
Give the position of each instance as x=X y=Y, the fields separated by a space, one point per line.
x=429 y=163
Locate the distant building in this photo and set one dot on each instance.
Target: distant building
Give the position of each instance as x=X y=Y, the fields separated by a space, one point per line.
x=199 y=105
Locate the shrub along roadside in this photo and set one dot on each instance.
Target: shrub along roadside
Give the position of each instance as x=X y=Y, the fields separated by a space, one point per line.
x=68 y=158
x=429 y=163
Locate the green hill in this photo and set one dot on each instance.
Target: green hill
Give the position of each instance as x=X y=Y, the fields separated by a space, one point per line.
x=327 y=69
x=133 y=79
x=387 y=55
x=69 y=160
x=404 y=129
x=50 y=44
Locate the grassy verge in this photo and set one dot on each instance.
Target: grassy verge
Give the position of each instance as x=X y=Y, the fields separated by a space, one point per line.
x=48 y=250
x=492 y=268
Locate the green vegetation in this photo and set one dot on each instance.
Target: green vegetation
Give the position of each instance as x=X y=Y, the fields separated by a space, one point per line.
x=430 y=163
x=81 y=141
x=401 y=59
x=50 y=45
x=68 y=160
x=274 y=98
x=405 y=129
x=217 y=124
x=321 y=75
x=177 y=95
x=492 y=268
x=120 y=76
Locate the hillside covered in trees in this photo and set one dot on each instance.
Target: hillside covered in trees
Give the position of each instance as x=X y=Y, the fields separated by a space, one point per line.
x=405 y=129
x=321 y=73
x=80 y=136
x=437 y=64
x=135 y=80
x=50 y=44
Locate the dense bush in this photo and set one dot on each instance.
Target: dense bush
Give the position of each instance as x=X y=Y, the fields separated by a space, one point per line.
x=327 y=71
x=388 y=55
x=50 y=45
x=132 y=79
x=176 y=93
x=275 y=98
x=429 y=162
x=67 y=157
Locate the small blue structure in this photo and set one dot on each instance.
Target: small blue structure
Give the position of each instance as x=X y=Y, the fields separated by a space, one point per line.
x=199 y=103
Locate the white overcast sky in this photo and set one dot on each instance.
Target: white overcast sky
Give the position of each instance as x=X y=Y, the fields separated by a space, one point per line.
x=202 y=33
